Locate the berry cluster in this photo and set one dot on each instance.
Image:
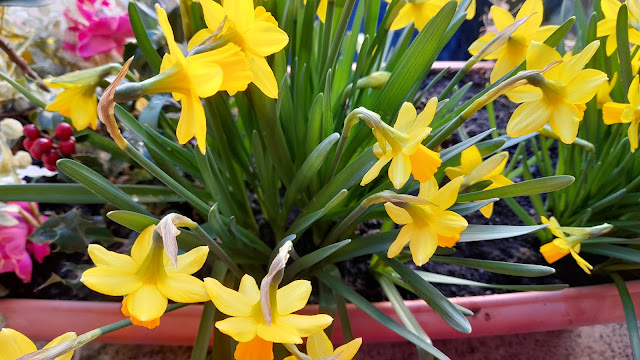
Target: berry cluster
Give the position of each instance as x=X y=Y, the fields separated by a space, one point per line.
x=42 y=148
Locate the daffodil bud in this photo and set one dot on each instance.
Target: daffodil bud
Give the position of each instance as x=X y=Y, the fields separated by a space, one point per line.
x=376 y=80
x=11 y=129
x=83 y=77
x=600 y=229
x=21 y=159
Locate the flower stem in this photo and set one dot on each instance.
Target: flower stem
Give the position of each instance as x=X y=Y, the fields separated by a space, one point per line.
x=215 y=247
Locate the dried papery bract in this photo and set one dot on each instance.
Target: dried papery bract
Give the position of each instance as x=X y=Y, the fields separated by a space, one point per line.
x=168 y=230
x=106 y=107
x=270 y=282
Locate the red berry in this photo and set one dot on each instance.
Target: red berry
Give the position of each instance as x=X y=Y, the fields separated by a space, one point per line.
x=64 y=131
x=27 y=143
x=67 y=147
x=50 y=167
x=50 y=158
x=31 y=131
x=40 y=147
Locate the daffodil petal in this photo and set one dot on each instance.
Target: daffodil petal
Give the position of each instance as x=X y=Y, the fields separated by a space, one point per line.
x=319 y=346
x=632 y=133
x=111 y=280
x=348 y=351
x=256 y=349
x=204 y=66
x=307 y=325
x=404 y=236
x=610 y=8
x=264 y=39
x=423 y=245
x=527 y=118
x=103 y=257
x=477 y=45
x=424 y=163
x=406 y=117
x=564 y=121
x=293 y=297
x=142 y=245
x=228 y=301
x=524 y=93
x=571 y=68
x=447 y=195
x=192 y=122
x=241 y=329
x=633 y=95
x=376 y=168
x=501 y=17
x=61 y=339
x=534 y=9
x=279 y=332
x=147 y=303
x=83 y=112
x=183 y=288
x=213 y=15
x=510 y=59
x=400 y=170
x=585 y=86
x=449 y=224
x=163 y=20
x=14 y=344
x=487 y=210
x=263 y=76
x=240 y=12
x=612 y=112
x=397 y=214
x=539 y=55
x=249 y=289
x=189 y=262
x=404 y=17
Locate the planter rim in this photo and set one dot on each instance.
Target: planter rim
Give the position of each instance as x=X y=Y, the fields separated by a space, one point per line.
x=498 y=314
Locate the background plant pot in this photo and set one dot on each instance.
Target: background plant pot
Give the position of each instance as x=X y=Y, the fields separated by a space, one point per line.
x=43 y=320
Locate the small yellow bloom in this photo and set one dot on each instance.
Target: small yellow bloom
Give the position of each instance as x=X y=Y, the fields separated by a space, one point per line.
x=562 y=245
x=322 y=10
x=255 y=31
x=147 y=278
x=560 y=99
x=427 y=226
x=514 y=52
x=247 y=320
x=402 y=145
x=475 y=170
x=225 y=68
x=77 y=102
x=607 y=26
x=13 y=344
x=319 y=347
x=616 y=113
x=418 y=12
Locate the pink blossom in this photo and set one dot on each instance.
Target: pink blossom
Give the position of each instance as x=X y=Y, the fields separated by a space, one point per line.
x=100 y=31
x=15 y=246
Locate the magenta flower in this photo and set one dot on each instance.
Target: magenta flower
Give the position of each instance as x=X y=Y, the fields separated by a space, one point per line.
x=15 y=247
x=100 y=31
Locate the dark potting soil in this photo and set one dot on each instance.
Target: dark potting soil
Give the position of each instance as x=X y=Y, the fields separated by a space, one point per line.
x=523 y=249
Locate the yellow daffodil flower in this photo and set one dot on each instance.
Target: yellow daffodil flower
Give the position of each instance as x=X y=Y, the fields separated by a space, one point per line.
x=607 y=26
x=322 y=10
x=13 y=344
x=427 y=226
x=319 y=347
x=418 y=12
x=474 y=170
x=255 y=31
x=604 y=92
x=247 y=320
x=635 y=60
x=563 y=245
x=559 y=99
x=225 y=68
x=402 y=145
x=616 y=113
x=77 y=102
x=147 y=277
x=514 y=52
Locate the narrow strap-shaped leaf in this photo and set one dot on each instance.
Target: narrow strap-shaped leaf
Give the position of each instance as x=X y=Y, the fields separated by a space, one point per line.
x=493 y=232
x=22 y=90
x=79 y=194
x=430 y=295
x=149 y=52
x=629 y=314
x=615 y=251
x=624 y=53
x=445 y=279
x=311 y=259
x=498 y=267
x=99 y=185
x=384 y=319
x=529 y=187
x=303 y=222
